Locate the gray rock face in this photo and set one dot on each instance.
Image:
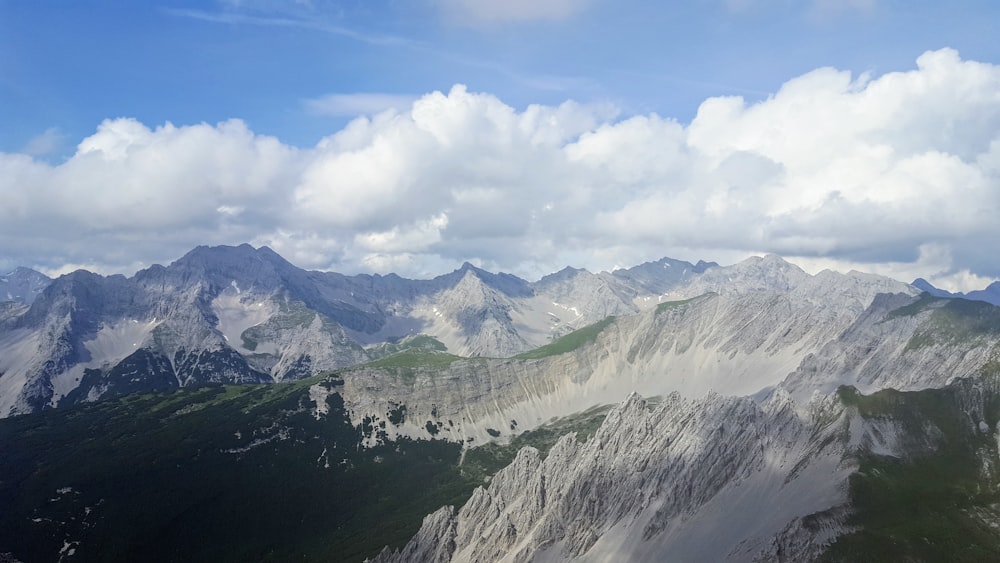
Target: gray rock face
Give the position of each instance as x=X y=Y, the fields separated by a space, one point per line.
x=903 y=343
x=657 y=278
x=683 y=481
x=707 y=477
x=88 y=336
x=574 y=298
x=710 y=479
x=476 y=318
x=22 y=285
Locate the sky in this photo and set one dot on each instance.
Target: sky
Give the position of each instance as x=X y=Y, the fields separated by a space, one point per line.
x=523 y=136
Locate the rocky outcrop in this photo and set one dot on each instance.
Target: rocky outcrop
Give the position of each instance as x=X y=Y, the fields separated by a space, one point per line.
x=659 y=484
x=22 y=285
x=738 y=479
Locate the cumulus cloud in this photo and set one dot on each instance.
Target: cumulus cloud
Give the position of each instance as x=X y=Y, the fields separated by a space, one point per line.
x=898 y=173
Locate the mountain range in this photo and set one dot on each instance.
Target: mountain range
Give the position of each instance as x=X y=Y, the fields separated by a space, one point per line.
x=990 y=294
x=245 y=315
x=671 y=411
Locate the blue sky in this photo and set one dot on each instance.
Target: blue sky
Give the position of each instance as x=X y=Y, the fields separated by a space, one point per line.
x=78 y=79
x=69 y=65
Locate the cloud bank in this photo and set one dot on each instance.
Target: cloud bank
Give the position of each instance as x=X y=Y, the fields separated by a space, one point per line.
x=898 y=173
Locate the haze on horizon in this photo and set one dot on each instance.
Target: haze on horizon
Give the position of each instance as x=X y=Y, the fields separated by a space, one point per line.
x=520 y=136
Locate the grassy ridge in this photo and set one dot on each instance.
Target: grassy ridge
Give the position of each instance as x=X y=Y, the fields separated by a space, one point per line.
x=569 y=342
x=667 y=305
x=405 y=365
x=923 y=302
x=415 y=358
x=951 y=321
x=935 y=506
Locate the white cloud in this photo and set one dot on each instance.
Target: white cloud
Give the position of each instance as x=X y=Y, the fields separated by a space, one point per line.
x=896 y=173
x=353 y=105
x=417 y=237
x=934 y=262
x=961 y=281
x=45 y=143
x=487 y=12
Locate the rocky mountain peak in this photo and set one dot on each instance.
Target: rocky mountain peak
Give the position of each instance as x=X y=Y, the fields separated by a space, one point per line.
x=990 y=294
x=702 y=265
x=508 y=284
x=770 y=263
x=566 y=273
x=924 y=285
x=756 y=274
x=85 y=295
x=567 y=277
x=22 y=285
x=222 y=266
x=22 y=272
x=230 y=258
x=660 y=276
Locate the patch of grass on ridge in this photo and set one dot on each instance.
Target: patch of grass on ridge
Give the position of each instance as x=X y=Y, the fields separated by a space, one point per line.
x=667 y=305
x=418 y=342
x=425 y=341
x=405 y=364
x=569 y=342
x=415 y=358
x=921 y=304
x=957 y=321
